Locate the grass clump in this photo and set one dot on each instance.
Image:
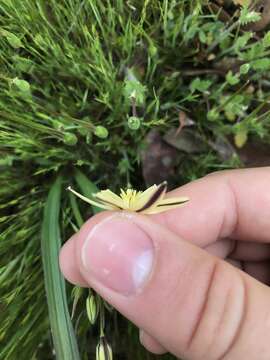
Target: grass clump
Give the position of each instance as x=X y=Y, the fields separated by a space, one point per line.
x=82 y=85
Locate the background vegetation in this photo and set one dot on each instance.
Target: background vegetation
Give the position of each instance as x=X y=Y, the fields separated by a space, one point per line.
x=126 y=93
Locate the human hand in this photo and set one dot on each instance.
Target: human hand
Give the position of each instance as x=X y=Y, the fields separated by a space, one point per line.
x=170 y=273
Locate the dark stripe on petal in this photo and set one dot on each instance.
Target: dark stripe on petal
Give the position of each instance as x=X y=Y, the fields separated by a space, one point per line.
x=159 y=191
x=176 y=203
x=105 y=202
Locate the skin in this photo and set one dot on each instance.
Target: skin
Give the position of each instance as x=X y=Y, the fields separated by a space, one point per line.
x=208 y=295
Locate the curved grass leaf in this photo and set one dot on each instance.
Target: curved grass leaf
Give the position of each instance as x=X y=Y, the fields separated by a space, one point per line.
x=64 y=340
x=87 y=187
x=75 y=210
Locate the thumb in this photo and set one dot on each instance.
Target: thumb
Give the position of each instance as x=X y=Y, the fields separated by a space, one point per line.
x=195 y=305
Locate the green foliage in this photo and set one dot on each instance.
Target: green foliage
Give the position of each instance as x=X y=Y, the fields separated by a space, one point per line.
x=134 y=89
x=65 y=344
x=200 y=85
x=12 y=39
x=248 y=16
x=242 y=40
x=232 y=79
x=82 y=84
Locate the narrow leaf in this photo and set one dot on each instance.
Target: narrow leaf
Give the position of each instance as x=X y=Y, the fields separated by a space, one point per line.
x=87 y=187
x=64 y=340
x=75 y=210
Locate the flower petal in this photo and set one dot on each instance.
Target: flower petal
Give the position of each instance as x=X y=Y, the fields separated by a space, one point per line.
x=90 y=201
x=109 y=197
x=143 y=197
x=154 y=197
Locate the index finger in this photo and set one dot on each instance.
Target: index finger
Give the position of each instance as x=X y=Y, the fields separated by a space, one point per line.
x=227 y=204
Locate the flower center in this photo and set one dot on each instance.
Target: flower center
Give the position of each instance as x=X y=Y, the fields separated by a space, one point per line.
x=129 y=197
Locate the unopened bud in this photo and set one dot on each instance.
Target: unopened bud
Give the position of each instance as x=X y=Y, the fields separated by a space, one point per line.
x=134 y=123
x=103 y=350
x=92 y=308
x=70 y=139
x=101 y=132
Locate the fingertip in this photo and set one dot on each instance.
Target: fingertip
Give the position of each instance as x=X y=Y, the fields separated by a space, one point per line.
x=69 y=260
x=68 y=263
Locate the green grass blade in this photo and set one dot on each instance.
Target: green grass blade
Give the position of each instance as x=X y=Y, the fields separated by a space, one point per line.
x=75 y=210
x=87 y=187
x=64 y=340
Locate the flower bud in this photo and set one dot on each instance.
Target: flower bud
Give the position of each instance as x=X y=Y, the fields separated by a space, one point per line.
x=101 y=132
x=21 y=85
x=70 y=139
x=134 y=123
x=103 y=350
x=92 y=308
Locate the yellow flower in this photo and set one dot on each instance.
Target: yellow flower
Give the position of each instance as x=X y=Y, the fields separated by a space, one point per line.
x=150 y=201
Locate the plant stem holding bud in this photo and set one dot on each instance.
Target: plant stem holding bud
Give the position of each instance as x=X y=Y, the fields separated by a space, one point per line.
x=133 y=105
